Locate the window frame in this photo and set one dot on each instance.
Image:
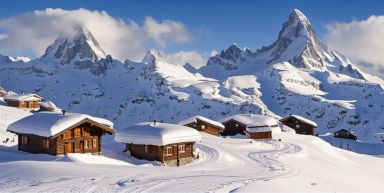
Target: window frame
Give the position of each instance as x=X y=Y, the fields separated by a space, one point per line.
x=167 y=150
x=46 y=143
x=85 y=144
x=24 y=140
x=182 y=148
x=94 y=142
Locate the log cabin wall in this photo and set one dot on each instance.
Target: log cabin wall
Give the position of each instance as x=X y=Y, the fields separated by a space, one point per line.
x=160 y=153
x=36 y=144
x=209 y=128
x=261 y=135
x=299 y=126
x=23 y=104
x=82 y=139
x=233 y=127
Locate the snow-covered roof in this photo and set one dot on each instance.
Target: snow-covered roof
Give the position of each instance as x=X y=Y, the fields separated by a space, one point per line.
x=193 y=119
x=305 y=120
x=50 y=105
x=2 y=89
x=251 y=120
x=24 y=97
x=160 y=134
x=47 y=124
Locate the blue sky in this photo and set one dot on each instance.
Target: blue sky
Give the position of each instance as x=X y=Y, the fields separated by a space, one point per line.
x=216 y=24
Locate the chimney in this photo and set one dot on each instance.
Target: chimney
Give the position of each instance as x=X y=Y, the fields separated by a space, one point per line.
x=63 y=111
x=250 y=111
x=154 y=122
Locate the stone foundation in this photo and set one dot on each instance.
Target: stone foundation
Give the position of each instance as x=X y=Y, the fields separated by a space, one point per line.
x=182 y=161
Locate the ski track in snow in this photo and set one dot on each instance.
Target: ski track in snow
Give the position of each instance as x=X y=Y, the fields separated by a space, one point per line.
x=273 y=168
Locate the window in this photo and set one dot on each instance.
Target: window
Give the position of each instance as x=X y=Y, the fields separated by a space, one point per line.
x=202 y=127
x=77 y=132
x=85 y=144
x=182 y=148
x=94 y=143
x=67 y=135
x=169 y=150
x=237 y=125
x=24 y=140
x=146 y=149
x=46 y=143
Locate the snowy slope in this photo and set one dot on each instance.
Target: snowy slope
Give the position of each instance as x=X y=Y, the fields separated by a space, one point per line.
x=298 y=163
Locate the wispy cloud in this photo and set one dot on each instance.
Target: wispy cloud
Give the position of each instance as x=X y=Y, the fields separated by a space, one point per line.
x=123 y=39
x=361 y=40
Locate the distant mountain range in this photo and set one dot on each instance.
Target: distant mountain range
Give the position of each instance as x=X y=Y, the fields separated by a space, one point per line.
x=297 y=74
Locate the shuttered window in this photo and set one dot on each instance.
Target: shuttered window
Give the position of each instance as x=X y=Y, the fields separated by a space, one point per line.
x=77 y=132
x=46 y=143
x=94 y=143
x=67 y=135
x=24 y=140
x=182 y=148
x=85 y=144
x=169 y=150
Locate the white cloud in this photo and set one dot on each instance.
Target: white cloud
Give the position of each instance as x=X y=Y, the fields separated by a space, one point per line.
x=36 y=30
x=183 y=57
x=213 y=53
x=362 y=41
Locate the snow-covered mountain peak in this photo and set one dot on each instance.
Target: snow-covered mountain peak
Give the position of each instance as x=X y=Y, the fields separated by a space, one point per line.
x=298 y=44
x=82 y=46
x=151 y=57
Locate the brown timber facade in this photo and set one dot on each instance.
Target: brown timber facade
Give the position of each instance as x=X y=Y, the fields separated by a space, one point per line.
x=170 y=155
x=299 y=126
x=205 y=127
x=233 y=127
x=85 y=137
x=24 y=104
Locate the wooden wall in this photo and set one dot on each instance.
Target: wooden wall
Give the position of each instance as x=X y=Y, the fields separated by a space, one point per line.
x=36 y=145
x=209 y=128
x=233 y=127
x=23 y=104
x=159 y=153
x=299 y=126
x=71 y=141
x=261 y=135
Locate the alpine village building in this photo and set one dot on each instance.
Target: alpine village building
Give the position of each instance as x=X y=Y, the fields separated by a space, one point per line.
x=203 y=124
x=28 y=101
x=60 y=133
x=300 y=124
x=170 y=144
x=253 y=126
x=343 y=133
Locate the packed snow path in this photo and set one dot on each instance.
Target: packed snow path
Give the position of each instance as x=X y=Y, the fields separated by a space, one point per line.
x=296 y=163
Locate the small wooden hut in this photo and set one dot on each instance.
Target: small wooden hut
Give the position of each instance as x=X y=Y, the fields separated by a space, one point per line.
x=29 y=101
x=343 y=133
x=56 y=133
x=254 y=126
x=203 y=124
x=300 y=124
x=167 y=143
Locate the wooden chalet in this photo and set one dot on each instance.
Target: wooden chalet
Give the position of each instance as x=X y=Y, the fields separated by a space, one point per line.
x=343 y=133
x=203 y=124
x=254 y=126
x=29 y=101
x=300 y=124
x=170 y=144
x=60 y=133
